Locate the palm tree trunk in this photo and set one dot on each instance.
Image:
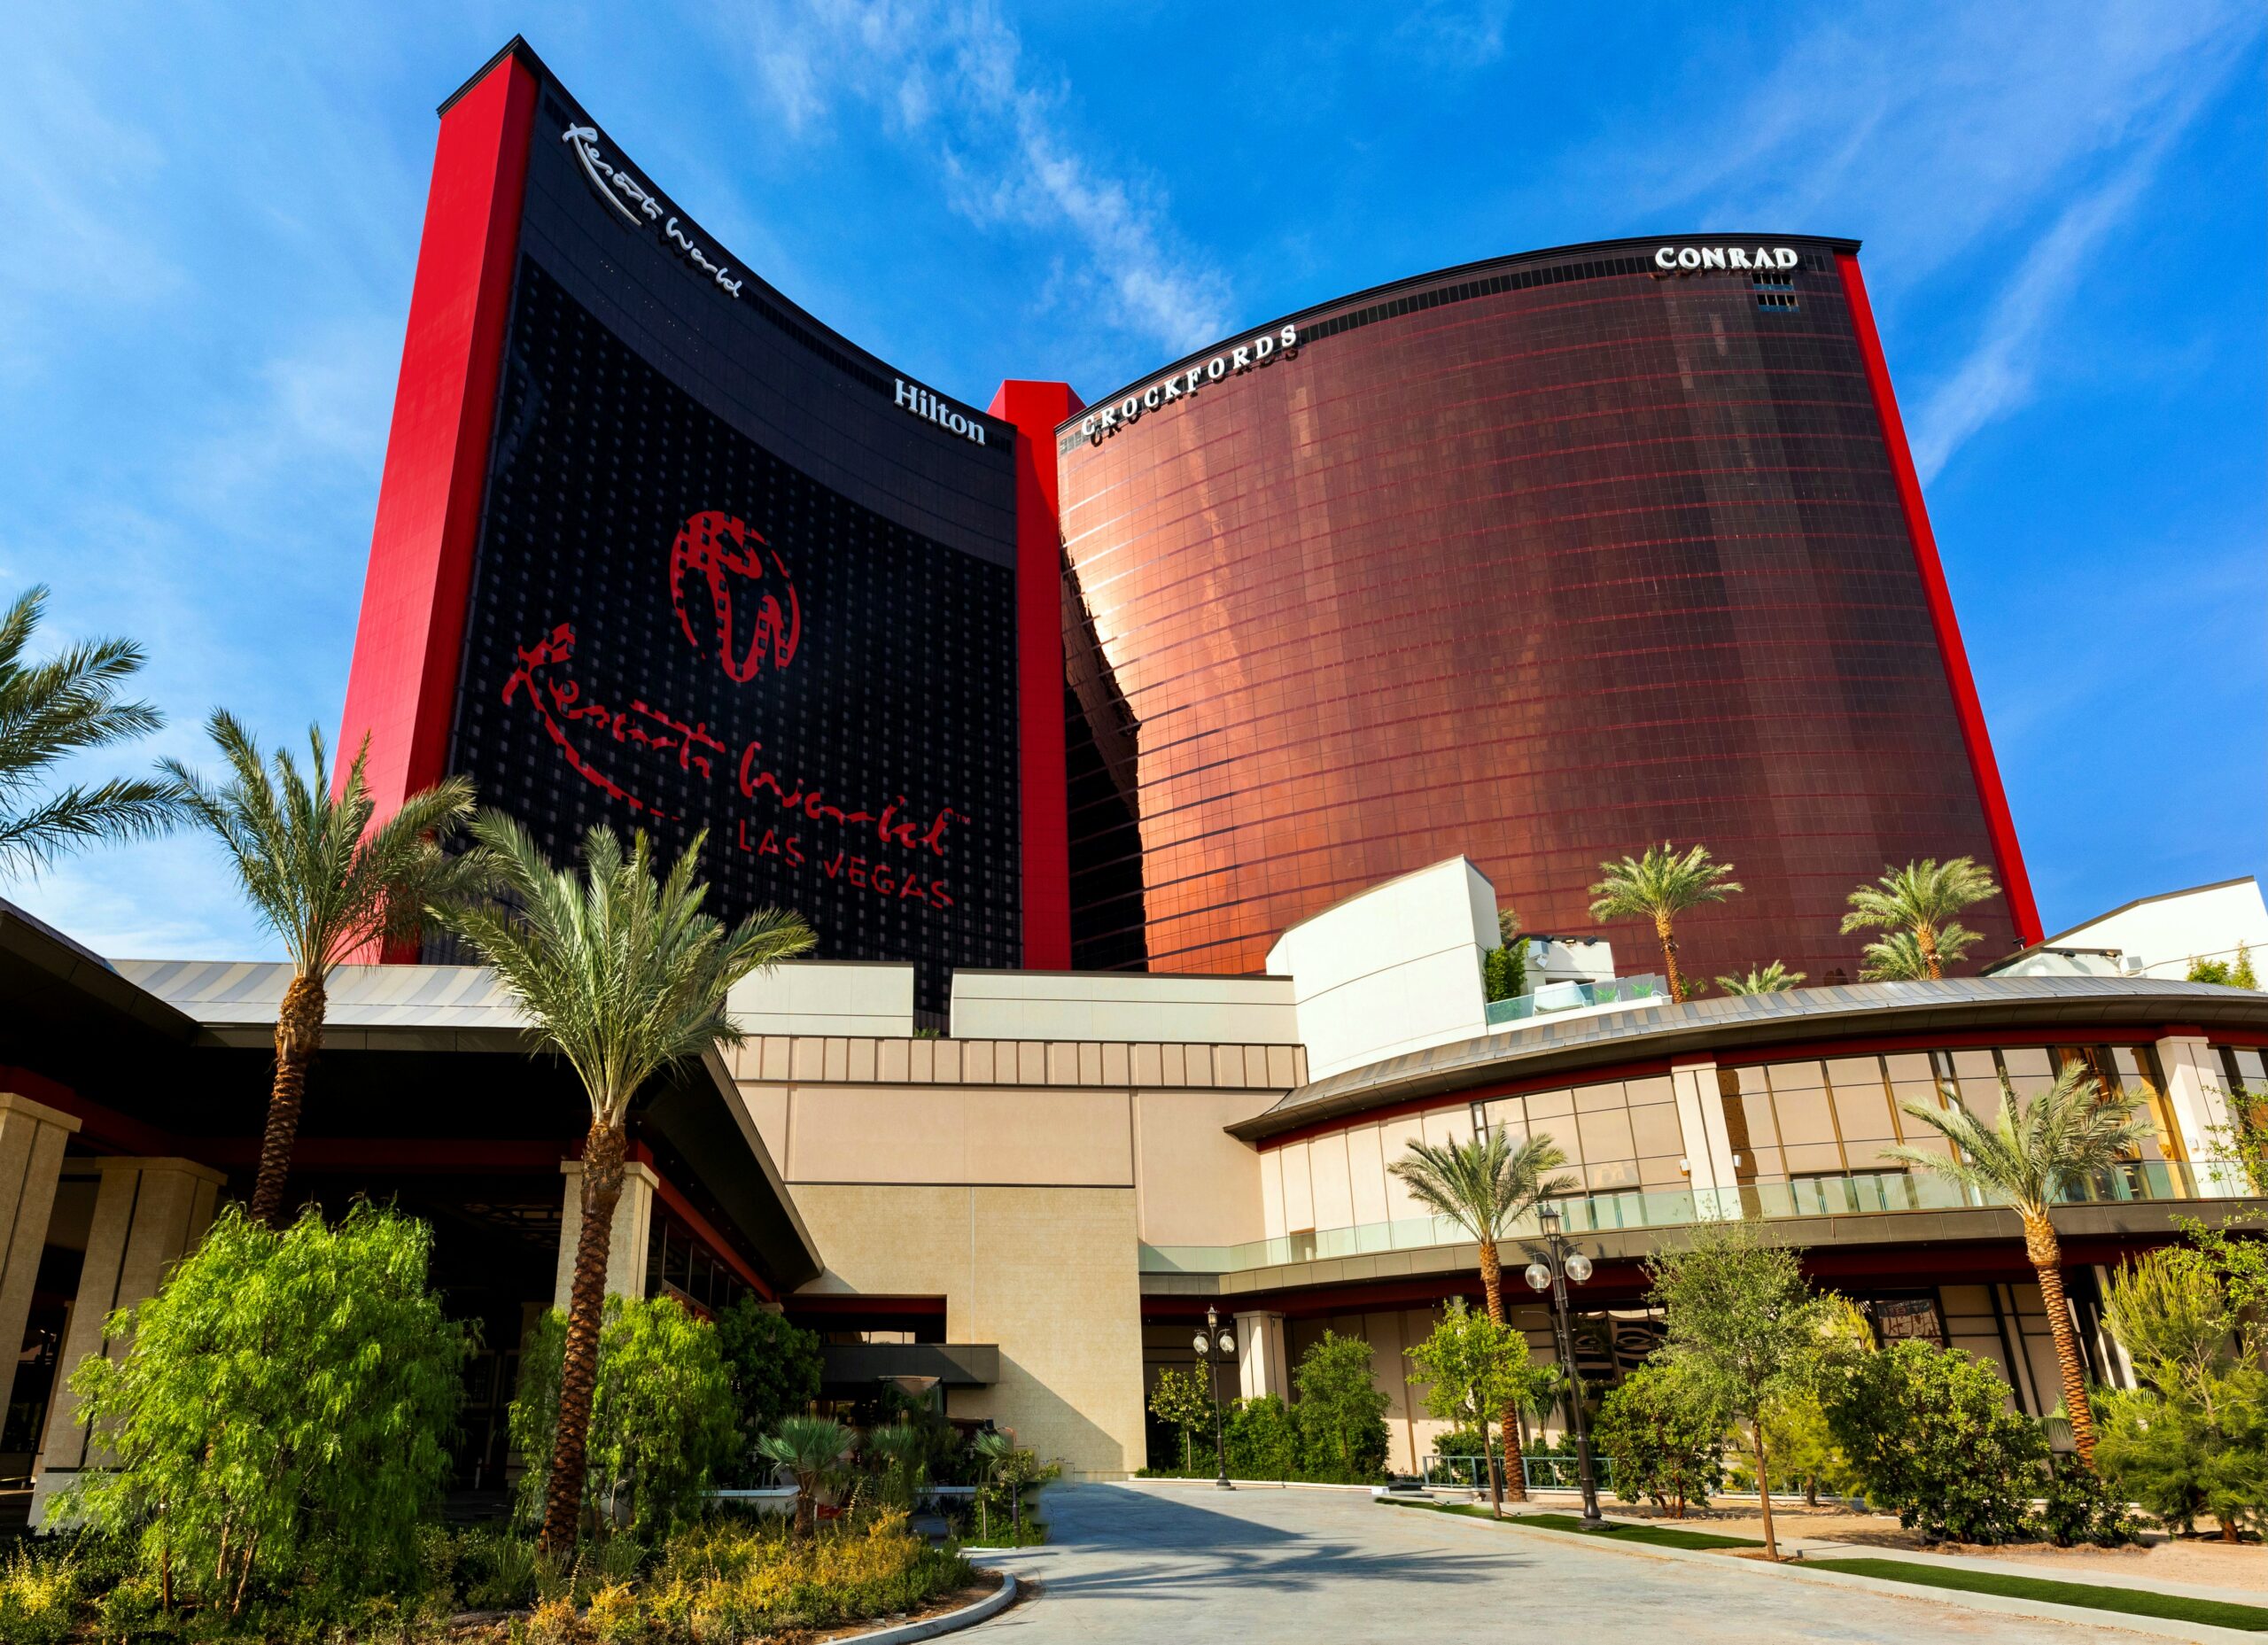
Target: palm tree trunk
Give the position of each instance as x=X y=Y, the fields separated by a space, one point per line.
x=1492 y=1283
x=579 y=1372
x=1925 y=938
x=2046 y=1254
x=1669 y=957
x=299 y=1035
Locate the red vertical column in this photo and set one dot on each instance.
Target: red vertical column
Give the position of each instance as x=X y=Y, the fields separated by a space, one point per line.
x=401 y=691
x=2015 y=881
x=1036 y=408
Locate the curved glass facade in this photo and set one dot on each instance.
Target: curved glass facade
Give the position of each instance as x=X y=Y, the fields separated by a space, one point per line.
x=1537 y=560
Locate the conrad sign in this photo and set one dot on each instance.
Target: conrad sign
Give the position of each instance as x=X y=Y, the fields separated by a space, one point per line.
x=1687 y=259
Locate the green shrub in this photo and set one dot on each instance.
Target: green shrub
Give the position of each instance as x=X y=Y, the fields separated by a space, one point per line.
x=39 y=1594
x=1341 y=1411
x=1665 y=1437
x=662 y=1419
x=496 y=1570
x=280 y=1417
x=1929 y=1438
x=775 y=1371
x=1264 y=1442
x=1180 y=1400
x=2080 y=1508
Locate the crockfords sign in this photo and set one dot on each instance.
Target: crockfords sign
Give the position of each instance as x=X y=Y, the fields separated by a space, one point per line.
x=1684 y=260
x=923 y=403
x=1264 y=349
x=637 y=207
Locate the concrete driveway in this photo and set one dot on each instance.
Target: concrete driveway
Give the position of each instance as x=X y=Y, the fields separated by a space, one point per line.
x=1199 y=1567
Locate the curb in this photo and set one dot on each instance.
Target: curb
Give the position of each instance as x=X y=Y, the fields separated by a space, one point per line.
x=967 y=1616
x=2085 y=1616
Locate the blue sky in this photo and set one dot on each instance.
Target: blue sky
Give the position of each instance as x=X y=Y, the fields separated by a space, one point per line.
x=214 y=223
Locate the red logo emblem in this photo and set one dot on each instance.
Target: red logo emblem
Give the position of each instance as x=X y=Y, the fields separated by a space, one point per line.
x=721 y=551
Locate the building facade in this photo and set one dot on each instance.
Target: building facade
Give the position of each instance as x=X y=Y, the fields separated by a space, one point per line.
x=1154 y=774
x=1544 y=560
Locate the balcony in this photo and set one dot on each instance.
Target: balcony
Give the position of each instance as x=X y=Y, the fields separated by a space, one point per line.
x=1578 y=998
x=1858 y=1193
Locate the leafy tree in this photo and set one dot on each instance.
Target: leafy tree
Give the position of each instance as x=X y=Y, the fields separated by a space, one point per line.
x=1503 y=969
x=1484 y=1186
x=1474 y=1367
x=775 y=1368
x=1341 y=1410
x=621 y=974
x=1930 y=1437
x=1010 y=1472
x=2226 y=974
x=814 y=1450
x=53 y=710
x=1897 y=957
x=329 y=880
x=1659 y=886
x=1775 y=978
x=1181 y=1400
x=1263 y=1440
x=1664 y=1434
x=1744 y=1330
x=1801 y=1446
x=2030 y=1156
x=2193 y=1439
x=1922 y=900
x=662 y=1419
x=280 y=1413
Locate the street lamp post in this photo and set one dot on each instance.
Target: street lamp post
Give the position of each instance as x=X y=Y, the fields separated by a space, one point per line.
x=1215 y=1347
x=1553 y=1275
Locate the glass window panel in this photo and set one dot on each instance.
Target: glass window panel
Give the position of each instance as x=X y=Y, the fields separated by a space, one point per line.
x=1804 y=1117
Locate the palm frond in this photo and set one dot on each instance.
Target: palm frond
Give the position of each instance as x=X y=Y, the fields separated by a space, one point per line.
x=1486 y=1184
x=1897 y=957
x=1661 y=884
x=327 y=878
x=1773 y=979
x=617 y=967
x=52 y=710
x=2034 y=1150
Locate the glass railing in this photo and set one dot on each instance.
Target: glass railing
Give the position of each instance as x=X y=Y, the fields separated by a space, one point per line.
x=1855 y=1194
x=1557 y=996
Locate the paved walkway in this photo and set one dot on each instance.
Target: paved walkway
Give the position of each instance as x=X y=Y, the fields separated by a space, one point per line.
x=1169 y=1564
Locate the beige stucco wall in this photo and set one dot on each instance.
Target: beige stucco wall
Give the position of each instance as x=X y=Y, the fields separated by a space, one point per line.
x=1017 y=1180
x=1049 y=1274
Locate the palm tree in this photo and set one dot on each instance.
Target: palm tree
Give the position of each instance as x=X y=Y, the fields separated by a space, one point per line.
x=51 y=711
x=811 y=1449
x=1659 y=886
x=328 y=882
x=903 y=1451
x=621 y=974
x=1898 y=957
x=2030 y=1156
x=994 y=1450
x=1773 y=979
x=1923 y=898
x=1484 y=1186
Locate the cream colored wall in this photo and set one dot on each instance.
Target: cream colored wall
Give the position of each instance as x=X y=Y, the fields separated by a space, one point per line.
x=1017 y=1180
x=1049 y=1274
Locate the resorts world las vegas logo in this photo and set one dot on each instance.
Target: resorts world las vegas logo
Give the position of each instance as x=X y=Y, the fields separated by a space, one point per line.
x=636 y=205
x=736 y=604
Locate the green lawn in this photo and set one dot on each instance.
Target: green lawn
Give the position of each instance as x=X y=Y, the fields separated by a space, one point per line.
x=1658 y=1536
x=2133 y=1602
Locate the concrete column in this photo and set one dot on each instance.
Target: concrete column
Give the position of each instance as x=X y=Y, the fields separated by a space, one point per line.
x=1708 y=1147
x=2194 y=1091
x=1262 y=1367
x=32 y=1136
x=148 y=1214
x=633 y=1225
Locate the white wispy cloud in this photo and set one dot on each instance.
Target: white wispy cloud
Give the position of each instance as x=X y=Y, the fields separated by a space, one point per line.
x=953 y=80
x=1954 y=131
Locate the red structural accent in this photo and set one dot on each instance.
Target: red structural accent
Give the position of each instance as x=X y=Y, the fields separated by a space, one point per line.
x=401 y=693
x=2015 y=884
x=1036 y=408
